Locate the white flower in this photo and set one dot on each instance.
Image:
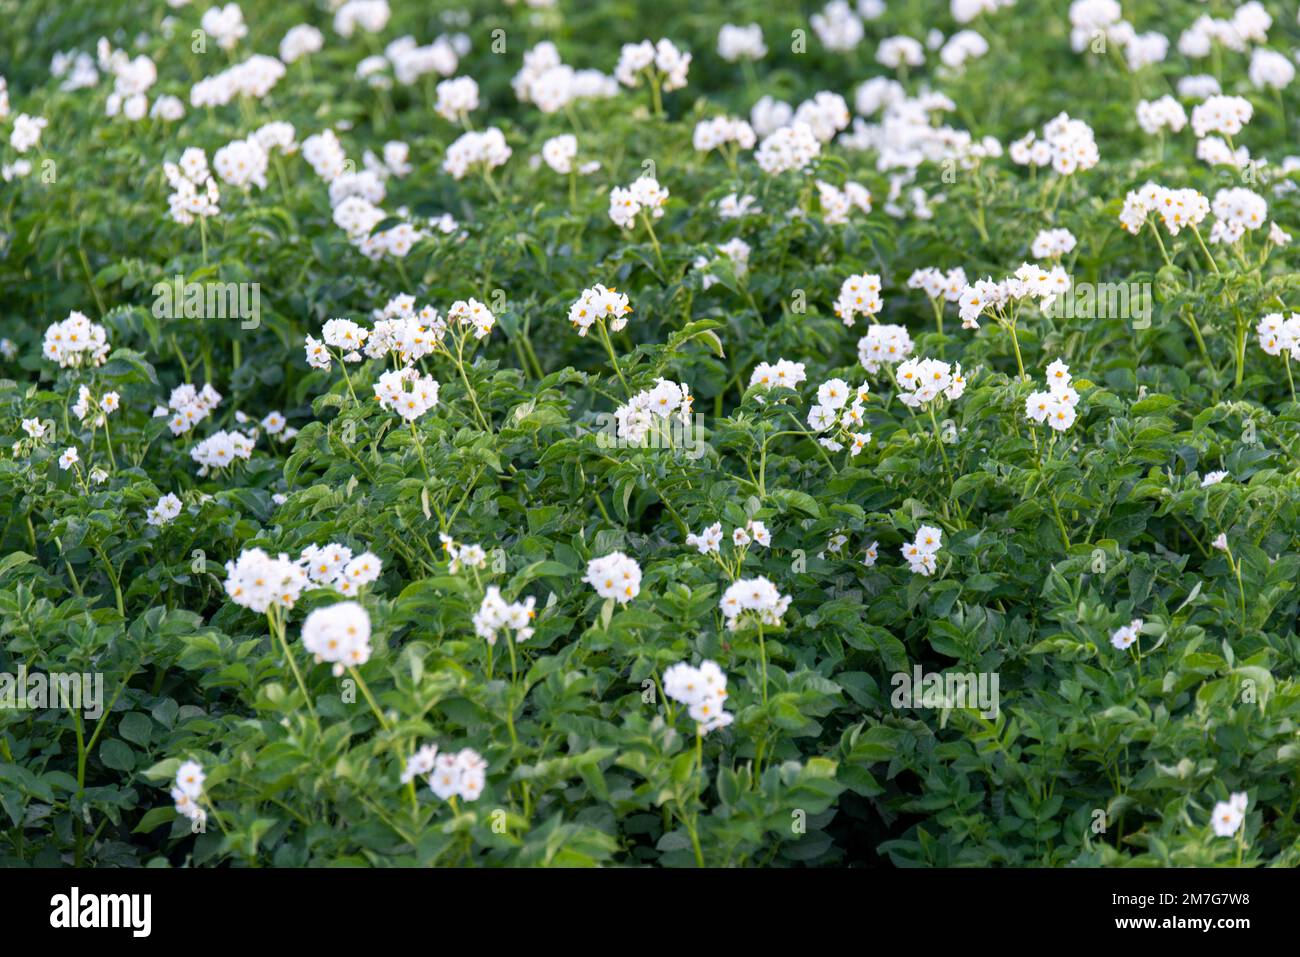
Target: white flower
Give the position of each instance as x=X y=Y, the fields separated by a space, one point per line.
x=922 y=552
x=753 y=600
x=788 y=149
x=69 y=458
x=1126 y=635
x=1228 y=815
x=406 y=392
x=463 y=774
x=599 y=303
x=495 y=614
x=257 y=581
x=1213 y=478
x=741 y=43
x=457 y=98
x=708 y=540
x=703 y=690
x=168 y=507
x=614 y=576
x=338 y=634
x=884 y=344
x=76 y=342
x=420 y=763
x=483 y=152
x=859 y=296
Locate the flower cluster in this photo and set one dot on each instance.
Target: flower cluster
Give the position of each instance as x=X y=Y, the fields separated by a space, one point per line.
x=1067 y=145
x=194 y=190
x=75 y=342
x=859 y=296
x=662 y=62
x=614 y=576
x=1278 y=336
x=752 y=601
x=257 y=581
x=703 y=690
x=645 y=195
x=837 y=203
x=599 y=304
x=921 y=381
x=495 y=614
x=1058 y=406
x=789 y=149
x=338 y=634
x=462 y=774
x=650 y=409
x=1000 y=299
x=841 y=410
x=222 y=449
x=884 y=345
x=334 y=566
x=474 y=151
x=783 y=373
x=186 y=791
x=922 y=551
x=407 y=392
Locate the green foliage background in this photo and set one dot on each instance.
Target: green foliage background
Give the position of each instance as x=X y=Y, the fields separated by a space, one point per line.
x=596 y=775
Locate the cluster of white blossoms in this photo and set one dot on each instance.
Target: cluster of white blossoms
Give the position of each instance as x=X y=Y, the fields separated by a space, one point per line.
x=599 y=304
x=720 y=131
x=97 y=410
x=472 y=314
x=751 y=601
x=783 y=373
x=257 y=581
x=1236 y=211
x=709 y=541
x=1228 y=815
x=241 y=163
x=1067 y=145
x=938 y=284
x=826 y=115
x=559 y=152
x=837 y=27
x=650 y=409
x=841 y=410
x=75 y=342
x=334 y=566
x=1126 y=635
x=132 y=78
x=407 y=392
x=741 y=43
x=187 y=407
x=168 y=507
x=325 y=154
x=644 y=195
x=921 y=381
x=614 y=576
x=338 y=634
x=495 y=614
x=859 y=296
x=462 y=556
x=254 y=77
x=1029 y=282
x=790 y=148
x=69 y=458
x=922 y=552
x=457 y=98
x=410 y=60
x=900 y=51
x=704 y=692
x=225 y=25
x=194 y=190
x=371 y=16
x=838 y=203
x=1278 y=335
x=1058 y=406
x=962 y=46
x=476 y=152
x=1051 y=244
x=1176 y=208
x=666 y=64
x=1155 y=115
x=450 y=775
x=884 y=344
x=551 y=85
x=1270 y=70
x=26 y=132
x=1216 y=152
x=221 y=450
x=186 y=791
x=1227 y=115
x=300 y=41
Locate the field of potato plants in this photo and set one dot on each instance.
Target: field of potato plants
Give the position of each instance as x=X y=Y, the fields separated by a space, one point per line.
x=561 y=433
